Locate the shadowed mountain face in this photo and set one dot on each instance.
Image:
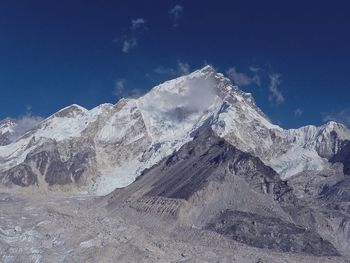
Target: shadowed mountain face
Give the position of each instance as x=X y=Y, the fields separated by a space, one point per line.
x=46 y=165
x=212 y=185
x=343 y=156
x=206 y=158
x=4 y=139
x=205 y=154
x=269 y=232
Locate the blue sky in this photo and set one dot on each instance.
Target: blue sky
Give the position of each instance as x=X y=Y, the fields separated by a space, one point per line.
x=294 y=58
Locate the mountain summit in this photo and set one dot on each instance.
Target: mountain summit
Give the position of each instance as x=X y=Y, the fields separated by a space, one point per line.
x=107 y=147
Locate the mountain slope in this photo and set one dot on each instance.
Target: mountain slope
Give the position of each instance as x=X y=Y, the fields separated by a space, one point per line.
x=343 y=156
x=210 y=184
x=107 y=147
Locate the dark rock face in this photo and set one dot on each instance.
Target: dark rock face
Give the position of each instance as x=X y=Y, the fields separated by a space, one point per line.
x=52 y=166
x=327 y=192
x=57 y=173
x=21 y=175
x=336 y=198
x=189 y=169
x=5 y=139
x=79 y=164
x=343 y=156
x=340 y=192
x=208 y=176
x=270 y=232
x=42 y=159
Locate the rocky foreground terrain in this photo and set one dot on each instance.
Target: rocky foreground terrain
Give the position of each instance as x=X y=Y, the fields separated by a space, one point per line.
x=78 y=229
x=193 y=171
x=75 y=229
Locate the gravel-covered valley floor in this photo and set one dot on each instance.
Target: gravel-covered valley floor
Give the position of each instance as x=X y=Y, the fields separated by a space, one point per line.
x=62 y=228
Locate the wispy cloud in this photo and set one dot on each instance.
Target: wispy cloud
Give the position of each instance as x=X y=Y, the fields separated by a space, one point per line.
x=129 y=40
x=137 y=23
x=177 y=107
x=298 y=112
x=342 y=116
x=122 y=90
x=119 y=88
x=24 y=124
x=128 y=44
x=276 y=97
x=244 y=79
x=260 y=77
x=176 y=13
x=182 y=68
x=161 y=70
x=255 y=69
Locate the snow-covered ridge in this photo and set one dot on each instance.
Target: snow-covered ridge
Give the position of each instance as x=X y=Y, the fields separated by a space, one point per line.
x=135 y=134
x=6 y=126
x=6 y=131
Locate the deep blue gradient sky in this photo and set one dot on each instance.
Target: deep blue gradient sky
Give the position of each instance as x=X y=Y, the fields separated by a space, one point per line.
x=57 y=52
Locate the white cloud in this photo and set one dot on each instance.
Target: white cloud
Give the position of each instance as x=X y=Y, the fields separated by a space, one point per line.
x=258 y=76
x=129 y=40
x=161 y=70
x=122 y=91
x=276 y=97
x=177 y=107
x=298 y=112
x=255 y=69
x=342 y=116
x=119 y=88
x=176 y=13
x=24 y=124
x=137 y=23
x=128 y=44
x=182 y=68
x=243 y=79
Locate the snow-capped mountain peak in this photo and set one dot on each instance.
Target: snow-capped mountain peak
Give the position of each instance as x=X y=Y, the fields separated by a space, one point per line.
x=110 y=145
x=70 y=111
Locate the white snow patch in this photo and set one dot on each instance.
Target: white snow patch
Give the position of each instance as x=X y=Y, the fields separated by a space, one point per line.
x=116 y=177
x=298 y=160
